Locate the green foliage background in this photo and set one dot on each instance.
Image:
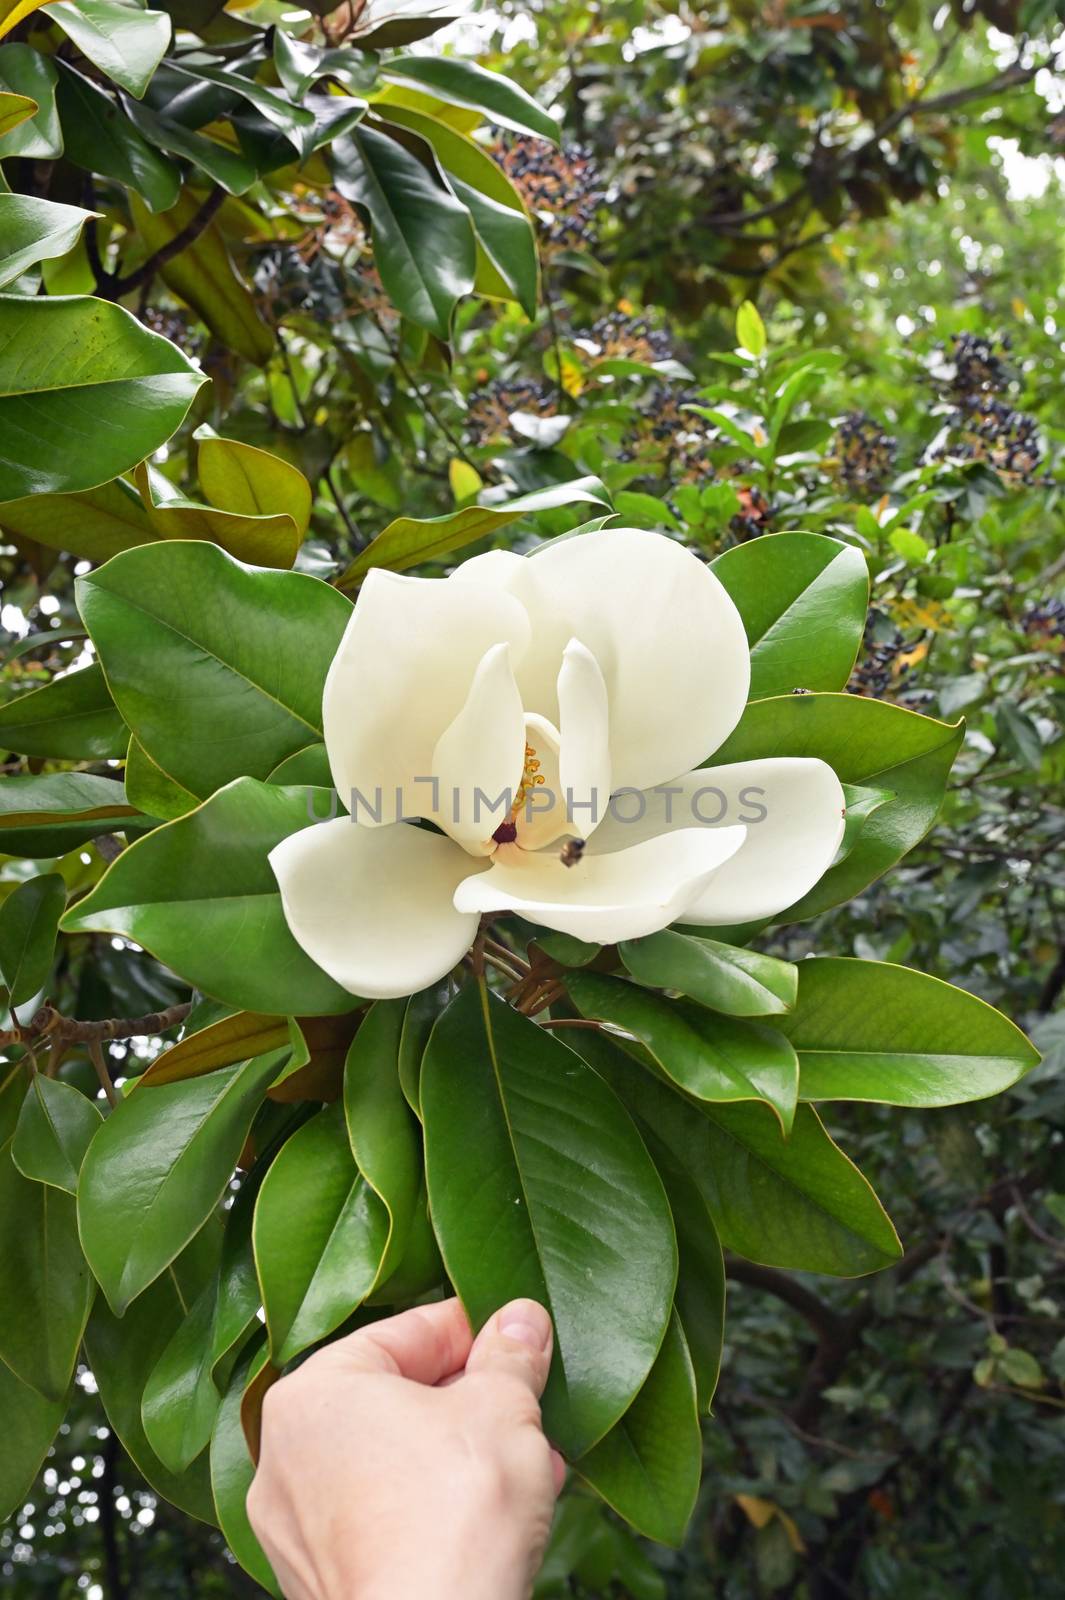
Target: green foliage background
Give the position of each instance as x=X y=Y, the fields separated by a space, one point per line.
x=853 y=170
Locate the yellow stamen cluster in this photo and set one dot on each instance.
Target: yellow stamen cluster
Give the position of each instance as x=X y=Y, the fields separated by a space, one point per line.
x=531 y=777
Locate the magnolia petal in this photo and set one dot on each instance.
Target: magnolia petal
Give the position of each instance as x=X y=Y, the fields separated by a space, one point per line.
x=478 y=760
x=400 y=678
x=373 y=906
x=604 y=898
x=667 y=637
x=792 y=807
x=584 y=727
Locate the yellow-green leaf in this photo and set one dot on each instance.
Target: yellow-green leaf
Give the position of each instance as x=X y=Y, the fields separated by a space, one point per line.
x=262 y=541
x=240 y=478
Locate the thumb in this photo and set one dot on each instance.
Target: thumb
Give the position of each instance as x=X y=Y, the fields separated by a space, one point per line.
x=516 y=1342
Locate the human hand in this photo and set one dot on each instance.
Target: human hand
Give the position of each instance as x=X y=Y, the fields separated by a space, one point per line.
x=407 y=1461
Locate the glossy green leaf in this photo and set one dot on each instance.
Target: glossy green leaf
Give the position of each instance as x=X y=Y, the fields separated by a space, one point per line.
x=320 y=1234
x=866 y=1030
x=26 y=72
x=124 y=1351
x=420 y=1017
x=700 y=1298
x=383 y=1134
x=295 y=122
x=29 y=919
x=45 y=1287
x=96 y=523
x=15 y=109
x=180 y=1401
x=196 y=646
x=150 y=789
x=220 y=1044
x=712 y=1057
x=73 y=718
x=527 y=1147
x=204 y=276
x=54 y=1130
x=867 y=742
x=262 y=541
x=232 y=1471
x=300 y=66
x=424 y=247
x=239 y=478
x=157 y=1169
x=100 y=138
x=30 y=1424
x=86 y=392
x=124 y=42
x=502 y=225
x=49 y=815
x=409 y=541
x=200 y=895
x=648 y=1466
x=461 y=82
x=389 y=24
x=795 y=1202
x=803 y=599
x=228 y=168
x=725 y=977
x=33 y=230
x=309 y=767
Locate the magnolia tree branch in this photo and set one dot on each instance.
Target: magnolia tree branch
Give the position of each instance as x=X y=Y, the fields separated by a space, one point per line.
x=111 y=287
x=50 y=1027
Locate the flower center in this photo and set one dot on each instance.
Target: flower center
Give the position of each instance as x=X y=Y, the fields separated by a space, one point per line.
x=531 y=778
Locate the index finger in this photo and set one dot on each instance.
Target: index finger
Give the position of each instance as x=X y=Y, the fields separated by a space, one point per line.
x=426 y=1344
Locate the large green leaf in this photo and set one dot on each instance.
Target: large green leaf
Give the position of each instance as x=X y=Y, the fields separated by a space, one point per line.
x=126 y=43
x=72 y=718
x=29 y=918
x=794 y=1202
x=123 y=1352
x=410 y=541
x=528 y=1149
x=45 y=1287
x=700 y=1296
x=55 y=1127
x=803 y=599
x=30 y=1424
x=232 y=1471
x=503 y=227
x=463 y=83
x=200 y=895
x=648 y=1466
x=712 y=1057
x=33 y=230
x=264 y=541
x=320 y=1236
x=228 y=168
x=866 y=1030
x=49 y=815
x=180 y=1401
x=96 y=523
x=233 y=1038
x=156 y=1170
x=724 y=977
x=867 y=742
x=217 y=668
x=240 y=478
x=150 y=789
x=26 y=72
x=424 y=246
x=383 y=1134
x=99 y=137
x=85 y=393
x=204 y=276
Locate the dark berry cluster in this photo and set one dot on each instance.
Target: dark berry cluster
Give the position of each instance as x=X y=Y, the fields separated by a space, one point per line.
x=618 y=336
x=562 y=187
x=866 y=455
x=1044 y=621
x=669 y=439
x=176 y=326
x=490 y=408
x=984 y=426
x=878 y=668
x=754 y=515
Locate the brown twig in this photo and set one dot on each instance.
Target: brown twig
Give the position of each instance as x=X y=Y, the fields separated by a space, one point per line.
x=103 y=1072
x=109 y=287
x=49 y=1026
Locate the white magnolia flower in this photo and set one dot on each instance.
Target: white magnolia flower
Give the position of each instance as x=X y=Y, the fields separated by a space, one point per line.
x=577 y=689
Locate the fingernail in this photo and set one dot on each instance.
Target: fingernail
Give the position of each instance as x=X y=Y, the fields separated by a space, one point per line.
x=526 y=1322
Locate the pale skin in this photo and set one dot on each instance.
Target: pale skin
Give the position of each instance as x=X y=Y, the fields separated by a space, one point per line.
x=408 y=1462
